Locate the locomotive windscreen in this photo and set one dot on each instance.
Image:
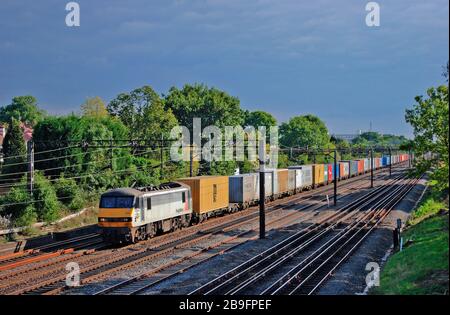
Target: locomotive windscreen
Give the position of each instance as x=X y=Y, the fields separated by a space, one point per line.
x=116 y=202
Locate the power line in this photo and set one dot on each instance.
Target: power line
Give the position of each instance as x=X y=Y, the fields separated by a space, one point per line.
x=40 y=152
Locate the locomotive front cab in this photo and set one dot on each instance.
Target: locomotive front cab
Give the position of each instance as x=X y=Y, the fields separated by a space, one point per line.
x=116 y=215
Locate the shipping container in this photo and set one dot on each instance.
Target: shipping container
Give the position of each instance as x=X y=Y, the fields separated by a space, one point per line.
x=360 y=166
x=303 y=176
x=344 y=169
x=353 y=168
x=329 y=172
x=268 y=183
x=318 y=174
x=292 y=174
x=282 y=175
x=377 y=163
x=209 y=193
x=332 y=171
x=243 y=189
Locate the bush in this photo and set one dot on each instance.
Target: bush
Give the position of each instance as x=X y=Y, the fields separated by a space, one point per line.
x=46 y=202
x=17 y=205
x=68 y=193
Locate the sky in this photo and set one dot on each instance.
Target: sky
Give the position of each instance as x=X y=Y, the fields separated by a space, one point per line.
x=286 y=57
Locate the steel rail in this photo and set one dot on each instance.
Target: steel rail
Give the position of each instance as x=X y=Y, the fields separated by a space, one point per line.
x=141 y=277
x=295 y=272
x=257 y=259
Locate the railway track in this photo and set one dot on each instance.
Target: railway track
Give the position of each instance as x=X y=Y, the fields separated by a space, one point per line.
x=333 y=240
x=150 y=279
x=167 y=245
x=14 y=260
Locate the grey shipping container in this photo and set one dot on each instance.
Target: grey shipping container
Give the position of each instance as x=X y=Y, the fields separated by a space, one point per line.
x=345 y=169
x=268 y=183
x=292 y=173
x=243 y=188
x=303 y=176
x=353 y=169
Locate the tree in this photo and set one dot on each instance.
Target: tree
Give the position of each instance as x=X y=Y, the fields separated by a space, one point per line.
x=94 y=107
x=53 y=132
x=304 y=131
x=213 y=106
x=24 y=109
x=143 y=112
x=372 y=138
x=14 y=150
x=46 y=202
x=18 y=206
x=429 y=119
x=259 y=118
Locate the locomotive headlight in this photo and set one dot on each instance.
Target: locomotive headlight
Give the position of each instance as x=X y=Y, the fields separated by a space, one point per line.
x=101 y=219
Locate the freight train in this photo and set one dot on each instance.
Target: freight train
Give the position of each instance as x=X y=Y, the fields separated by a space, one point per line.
x=129 y=215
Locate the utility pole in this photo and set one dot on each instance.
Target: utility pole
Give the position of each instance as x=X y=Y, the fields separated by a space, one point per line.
x=371 y=169
x=409 y=157
x=30 y=160
x=161 y=158
x=390 y=162
x=335 y=178
x=111 y=154
x=191 y=157
x=262 y=186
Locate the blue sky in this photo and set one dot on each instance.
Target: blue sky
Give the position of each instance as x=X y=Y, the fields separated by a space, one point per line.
x=287 y=57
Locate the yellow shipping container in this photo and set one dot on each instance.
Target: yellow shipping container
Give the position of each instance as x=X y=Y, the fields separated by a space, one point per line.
x=318 y=174
x=209 y=193
x=282 y=181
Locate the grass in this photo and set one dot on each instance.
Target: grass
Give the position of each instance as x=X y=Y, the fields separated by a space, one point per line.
x=422 y=266
x=87 y=218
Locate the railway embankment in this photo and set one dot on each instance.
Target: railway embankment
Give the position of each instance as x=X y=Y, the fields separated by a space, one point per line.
x=422 y=265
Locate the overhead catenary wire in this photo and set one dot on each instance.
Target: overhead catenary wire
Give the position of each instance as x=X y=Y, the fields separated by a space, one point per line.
x=71 y=166
x=97 y=173
x=39 y=152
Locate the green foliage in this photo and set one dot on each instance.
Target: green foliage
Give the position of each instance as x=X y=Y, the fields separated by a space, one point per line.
x=94 y=107
x=69 y=193
x=283 y=160
x=422 y=267
x=372 y=138
x=78 y=161
x=259 y=118
x=17 y=204
x=22 y=108
x=143 y=112
x=213 y=106
x=14 y=148
x=45 y=200
x=304 y=131
x=429 y=118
